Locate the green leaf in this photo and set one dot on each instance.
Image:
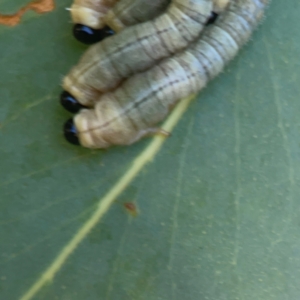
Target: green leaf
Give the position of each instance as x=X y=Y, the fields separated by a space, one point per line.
x=10 y=7
x=218 y=206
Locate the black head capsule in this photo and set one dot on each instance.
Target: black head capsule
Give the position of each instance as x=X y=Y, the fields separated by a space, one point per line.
x=70 y=103
x=70 y=132
x=212 y=19
x=88 y=35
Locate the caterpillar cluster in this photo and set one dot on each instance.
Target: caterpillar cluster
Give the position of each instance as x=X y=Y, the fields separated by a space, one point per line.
x=163 y=51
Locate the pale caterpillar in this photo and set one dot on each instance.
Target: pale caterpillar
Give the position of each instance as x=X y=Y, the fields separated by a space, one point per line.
x=97 y=19
x=131 y=111
x=102 y=67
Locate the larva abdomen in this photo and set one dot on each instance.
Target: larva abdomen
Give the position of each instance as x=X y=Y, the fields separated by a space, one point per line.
x=131 y=111
x=129 y=12
x=103 y=67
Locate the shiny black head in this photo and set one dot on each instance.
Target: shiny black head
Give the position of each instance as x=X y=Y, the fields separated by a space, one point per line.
x=212 y=19
x=70 y=103
x=70 y=132
x=88 y=35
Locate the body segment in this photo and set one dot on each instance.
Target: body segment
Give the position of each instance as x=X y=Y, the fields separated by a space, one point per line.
x=130 y=12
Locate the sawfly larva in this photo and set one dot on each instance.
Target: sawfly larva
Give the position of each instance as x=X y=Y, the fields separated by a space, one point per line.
x=97 y=19
x=102 y=67
x=131 y=111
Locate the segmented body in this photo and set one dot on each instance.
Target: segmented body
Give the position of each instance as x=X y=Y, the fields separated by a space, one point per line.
x=131 y=111
x=102 y=67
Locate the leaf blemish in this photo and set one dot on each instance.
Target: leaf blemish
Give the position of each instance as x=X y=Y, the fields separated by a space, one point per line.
x=131 y=208
x=40 y=7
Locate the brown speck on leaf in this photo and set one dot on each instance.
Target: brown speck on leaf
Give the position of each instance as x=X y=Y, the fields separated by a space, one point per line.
x=40 y=7
x=131 y=208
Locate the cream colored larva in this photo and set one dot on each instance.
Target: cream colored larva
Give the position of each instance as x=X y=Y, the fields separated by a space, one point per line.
x=115 y=13
x=103 y=67
x=129 y=12
x=133 y=110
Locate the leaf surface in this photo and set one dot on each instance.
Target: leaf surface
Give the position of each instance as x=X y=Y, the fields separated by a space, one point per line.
x=217 y=208
x=10 y=7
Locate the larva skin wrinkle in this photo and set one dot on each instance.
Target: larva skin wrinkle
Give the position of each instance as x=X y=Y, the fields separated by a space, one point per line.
x=130 y=12
x=132 y=111
x=220 y=5
x=102 y=67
